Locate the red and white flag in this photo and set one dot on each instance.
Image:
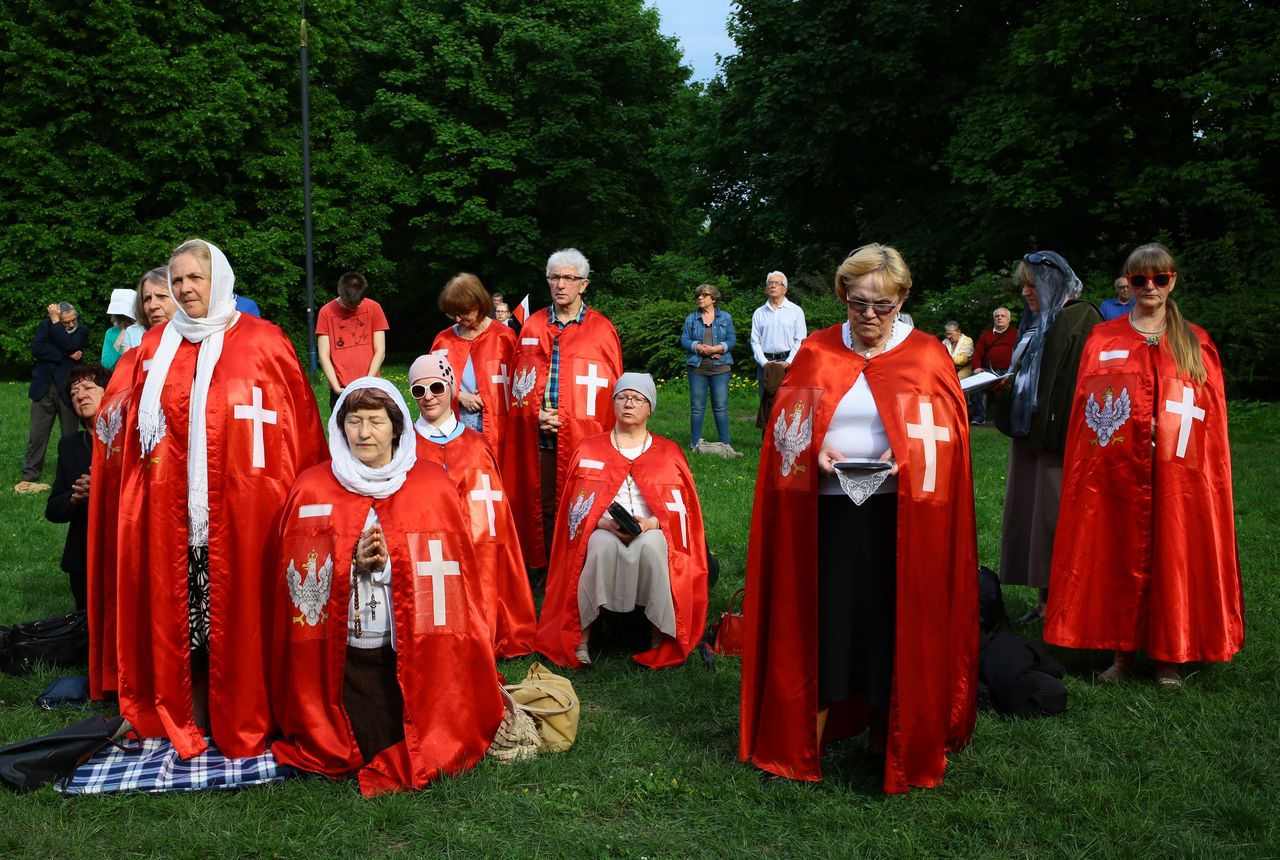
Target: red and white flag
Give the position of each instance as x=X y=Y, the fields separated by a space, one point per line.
x=522 y=310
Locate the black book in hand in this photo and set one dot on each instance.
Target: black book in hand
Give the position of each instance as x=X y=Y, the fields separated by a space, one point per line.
x=623 y=518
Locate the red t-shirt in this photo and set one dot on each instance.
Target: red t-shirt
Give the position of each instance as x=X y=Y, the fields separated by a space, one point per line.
x=350 y=334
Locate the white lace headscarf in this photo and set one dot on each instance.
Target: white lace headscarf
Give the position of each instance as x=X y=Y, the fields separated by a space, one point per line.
x=353 y=474
x=207 y=331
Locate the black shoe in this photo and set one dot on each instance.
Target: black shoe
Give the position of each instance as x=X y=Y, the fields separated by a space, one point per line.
x=1034 y=615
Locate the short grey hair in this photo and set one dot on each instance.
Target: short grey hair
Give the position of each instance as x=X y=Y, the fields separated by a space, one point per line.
x=951 y=324
x=997 y=310
x=569 y=257
x=780 y=275
x=66 y=308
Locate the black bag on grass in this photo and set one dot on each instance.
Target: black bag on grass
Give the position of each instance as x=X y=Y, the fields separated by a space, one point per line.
x=62 y=640
x=990 y=600
x=29 y=764
x=1020 y=678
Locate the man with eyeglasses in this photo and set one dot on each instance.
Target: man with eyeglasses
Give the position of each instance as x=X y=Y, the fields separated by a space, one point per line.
x=1121 y=304
x=994 y=352
x=568 y=360
x=777 y=328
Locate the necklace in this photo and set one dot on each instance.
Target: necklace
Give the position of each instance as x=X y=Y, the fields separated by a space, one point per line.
x=628 y=482
x=1151 y=338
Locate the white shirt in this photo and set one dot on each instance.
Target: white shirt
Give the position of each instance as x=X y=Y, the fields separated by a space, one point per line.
x=777 y=330
x=442 y=430
x=856 y=430
x=376 y=625
x=633 y=501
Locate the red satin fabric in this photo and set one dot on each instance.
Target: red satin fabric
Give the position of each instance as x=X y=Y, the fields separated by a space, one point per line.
x=935 y=671
x=590 y=350
x=663 y=477
x=153 y=637
x=444 y=663
x=1145 y=556
x=104 y=512
x=504 y=594
x=492 y=354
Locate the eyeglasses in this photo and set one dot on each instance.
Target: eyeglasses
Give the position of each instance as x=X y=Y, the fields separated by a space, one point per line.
x=1038 y=259
x=860 y=307
x=572 y=279
x=1160 y=279
x=419 y=391
x=628 y=400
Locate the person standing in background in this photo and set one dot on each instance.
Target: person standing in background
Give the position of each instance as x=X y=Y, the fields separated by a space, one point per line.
x=351 y=335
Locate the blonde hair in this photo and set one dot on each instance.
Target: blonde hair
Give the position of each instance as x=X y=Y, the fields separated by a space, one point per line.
x=198 y=249
x=870 y=259
x=1180 y=340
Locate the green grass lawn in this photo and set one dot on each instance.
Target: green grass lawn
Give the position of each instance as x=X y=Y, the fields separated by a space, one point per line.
x=1130 y=770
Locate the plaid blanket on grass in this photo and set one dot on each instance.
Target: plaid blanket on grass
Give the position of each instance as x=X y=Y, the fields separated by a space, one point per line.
x=153 y=765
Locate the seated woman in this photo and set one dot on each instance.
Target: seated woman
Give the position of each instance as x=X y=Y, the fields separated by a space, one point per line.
x=363 y=646
x=596 y=564
x=442 y=439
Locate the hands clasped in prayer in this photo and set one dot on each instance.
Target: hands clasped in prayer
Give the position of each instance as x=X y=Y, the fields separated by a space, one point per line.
x=371 y=550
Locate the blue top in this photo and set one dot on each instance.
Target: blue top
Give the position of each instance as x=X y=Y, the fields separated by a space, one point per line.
x=248 y=306
x=721 y=333
x=1112 y=309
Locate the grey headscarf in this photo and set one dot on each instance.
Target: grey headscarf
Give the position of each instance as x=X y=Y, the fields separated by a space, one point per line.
x=1055 y=284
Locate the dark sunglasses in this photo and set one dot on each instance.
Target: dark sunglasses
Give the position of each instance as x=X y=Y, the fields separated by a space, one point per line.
x=1160 y=279
x=419 y=391
x=1038 y=259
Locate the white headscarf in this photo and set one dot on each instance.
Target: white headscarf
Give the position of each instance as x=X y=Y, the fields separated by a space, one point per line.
x=208 y=333
x=347 y=467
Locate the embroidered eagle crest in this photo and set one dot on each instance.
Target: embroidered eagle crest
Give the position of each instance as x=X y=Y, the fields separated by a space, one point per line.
x=310 y=595
x=523 y=385
x=110 y=420
x=1107 y=418
x=149 y=435
x=791 y=440
x=578 y=511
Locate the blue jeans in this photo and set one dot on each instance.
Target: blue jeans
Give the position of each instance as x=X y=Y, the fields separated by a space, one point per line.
x=698 y=387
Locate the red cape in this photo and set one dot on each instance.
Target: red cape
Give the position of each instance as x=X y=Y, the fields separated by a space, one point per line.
x=104 y=512
x=935 y=667
x=1145 y=557
x=589 y=351
x=492 y=356
x=504 y=594
x=596 y=471
x=444 y=658
x=153 y=637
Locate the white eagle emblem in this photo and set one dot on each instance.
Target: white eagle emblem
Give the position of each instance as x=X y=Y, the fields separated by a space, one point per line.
x=110 y=420
x=1106 y=419
x=149 y=435
x=791 y=441
x=523 y=384
x=310 y=595
x=578 y=511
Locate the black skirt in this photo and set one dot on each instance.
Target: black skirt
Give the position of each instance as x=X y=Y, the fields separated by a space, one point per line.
x=372 y=699
x=857 y=588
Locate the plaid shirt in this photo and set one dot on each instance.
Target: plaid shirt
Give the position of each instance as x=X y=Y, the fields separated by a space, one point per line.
x=551 y=397
x=153 y=765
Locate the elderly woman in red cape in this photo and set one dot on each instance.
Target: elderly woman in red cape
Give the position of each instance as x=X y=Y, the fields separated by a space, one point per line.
x=861 y=599
x=597 y=564
x=481 y=352
x=499 y=573
x=220 y=421
x=384 y=662
x=1147 y=560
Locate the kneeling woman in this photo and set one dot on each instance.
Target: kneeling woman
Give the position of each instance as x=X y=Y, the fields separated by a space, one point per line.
x=597 y=564
x=362 y=645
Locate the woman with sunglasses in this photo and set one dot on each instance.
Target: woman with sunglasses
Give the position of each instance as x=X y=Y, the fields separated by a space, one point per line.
x=1034 y=412
x=443 y=439
x=861 y=601
x=1148 y=560
x=375 y=606
x=628 y=533
x=480 y=352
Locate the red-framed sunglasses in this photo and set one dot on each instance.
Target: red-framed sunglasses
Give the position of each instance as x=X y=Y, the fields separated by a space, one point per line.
x=1160 y=279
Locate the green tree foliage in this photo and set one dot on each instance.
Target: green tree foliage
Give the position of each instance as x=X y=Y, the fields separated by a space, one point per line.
x=520 y=127
x=126 y=127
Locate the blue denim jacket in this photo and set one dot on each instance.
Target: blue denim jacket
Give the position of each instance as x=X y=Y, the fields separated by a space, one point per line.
x=721 y=332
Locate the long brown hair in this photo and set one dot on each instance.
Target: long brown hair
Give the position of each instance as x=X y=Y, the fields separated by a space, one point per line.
x=1180 y=340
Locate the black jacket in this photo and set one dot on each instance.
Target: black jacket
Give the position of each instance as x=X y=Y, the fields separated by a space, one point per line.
x=52 y=348
x=75 y=453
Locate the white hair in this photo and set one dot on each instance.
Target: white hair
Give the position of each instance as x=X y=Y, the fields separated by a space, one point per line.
x=780 y=275
x=569 y=257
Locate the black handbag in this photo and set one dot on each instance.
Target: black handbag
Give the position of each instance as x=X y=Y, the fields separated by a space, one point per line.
x=623 y=518
x=62 y=640
x=29 y=764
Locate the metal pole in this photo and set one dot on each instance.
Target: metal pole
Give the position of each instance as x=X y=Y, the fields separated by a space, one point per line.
x=306 y=191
